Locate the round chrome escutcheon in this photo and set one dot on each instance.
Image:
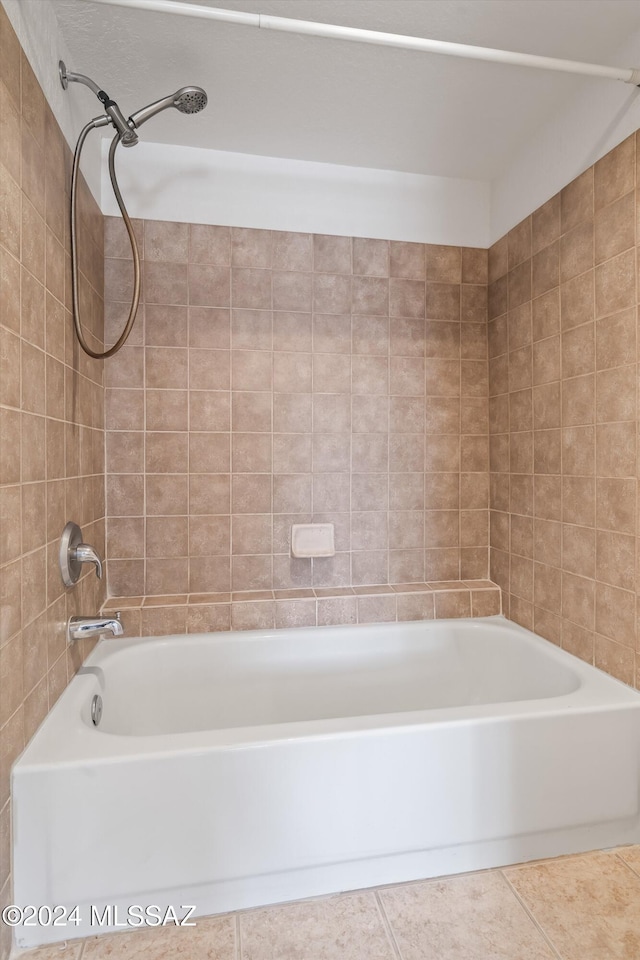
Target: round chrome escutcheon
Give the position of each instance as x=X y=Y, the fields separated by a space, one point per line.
x=96 y=709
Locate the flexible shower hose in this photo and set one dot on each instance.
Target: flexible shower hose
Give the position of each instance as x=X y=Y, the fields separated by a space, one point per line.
x=98 y=121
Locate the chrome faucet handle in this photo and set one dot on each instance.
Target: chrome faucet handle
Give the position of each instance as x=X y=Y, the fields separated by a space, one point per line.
x=73 y=553
x=86 y=554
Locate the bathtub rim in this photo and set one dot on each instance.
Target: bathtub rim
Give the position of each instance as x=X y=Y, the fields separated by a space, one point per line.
x=61 y=742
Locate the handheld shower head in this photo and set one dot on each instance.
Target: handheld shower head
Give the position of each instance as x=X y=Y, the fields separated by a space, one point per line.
x=186 y=100
x=190 y=100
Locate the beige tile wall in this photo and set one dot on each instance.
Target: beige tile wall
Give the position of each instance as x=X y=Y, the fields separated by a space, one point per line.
x=51 y=415
x=277 y=378
x=564 y=416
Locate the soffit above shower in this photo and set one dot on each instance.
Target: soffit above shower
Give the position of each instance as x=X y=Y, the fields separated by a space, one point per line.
x=307 y=98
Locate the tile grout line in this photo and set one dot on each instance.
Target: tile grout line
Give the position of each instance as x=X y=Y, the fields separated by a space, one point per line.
x=533 y=435
x=238 y=936
x=272 y=483
x=460 y=418
x=387 y=924
x=531 y=916
x=145 y=436
x=594 y=414
x=635 y=341
x=633 y=870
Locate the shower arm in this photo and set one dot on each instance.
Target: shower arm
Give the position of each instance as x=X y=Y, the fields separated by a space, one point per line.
x=128 y=136
x=421 y=44
x=67 y=77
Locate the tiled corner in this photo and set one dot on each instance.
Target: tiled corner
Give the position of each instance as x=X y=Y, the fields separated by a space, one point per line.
x=563 y=414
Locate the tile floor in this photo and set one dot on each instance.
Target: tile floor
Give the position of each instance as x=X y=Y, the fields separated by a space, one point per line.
x=583 y=907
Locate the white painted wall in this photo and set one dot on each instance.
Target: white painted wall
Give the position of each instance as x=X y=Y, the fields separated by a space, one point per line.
x=244 y=190
x=37 y=28
x=567 y=144
x=234 y=189
x=199 y=185
x=211 y=186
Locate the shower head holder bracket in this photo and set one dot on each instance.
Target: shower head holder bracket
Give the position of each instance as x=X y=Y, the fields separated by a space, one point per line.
x=62 y=73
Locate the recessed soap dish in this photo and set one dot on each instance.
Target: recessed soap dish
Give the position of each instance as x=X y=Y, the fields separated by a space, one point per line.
x=312 y=540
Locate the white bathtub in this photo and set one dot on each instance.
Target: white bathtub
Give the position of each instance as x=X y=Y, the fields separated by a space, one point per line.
x=233 y=770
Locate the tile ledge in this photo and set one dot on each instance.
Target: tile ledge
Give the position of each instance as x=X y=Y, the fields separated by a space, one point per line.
x=299 y=594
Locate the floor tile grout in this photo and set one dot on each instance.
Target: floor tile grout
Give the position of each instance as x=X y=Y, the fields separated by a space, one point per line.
x=238 y=935
x=387 y=925
x=531 y=916
x=635 y=872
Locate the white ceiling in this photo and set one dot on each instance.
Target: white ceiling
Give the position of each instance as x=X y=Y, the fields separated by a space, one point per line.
x=307 y=98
